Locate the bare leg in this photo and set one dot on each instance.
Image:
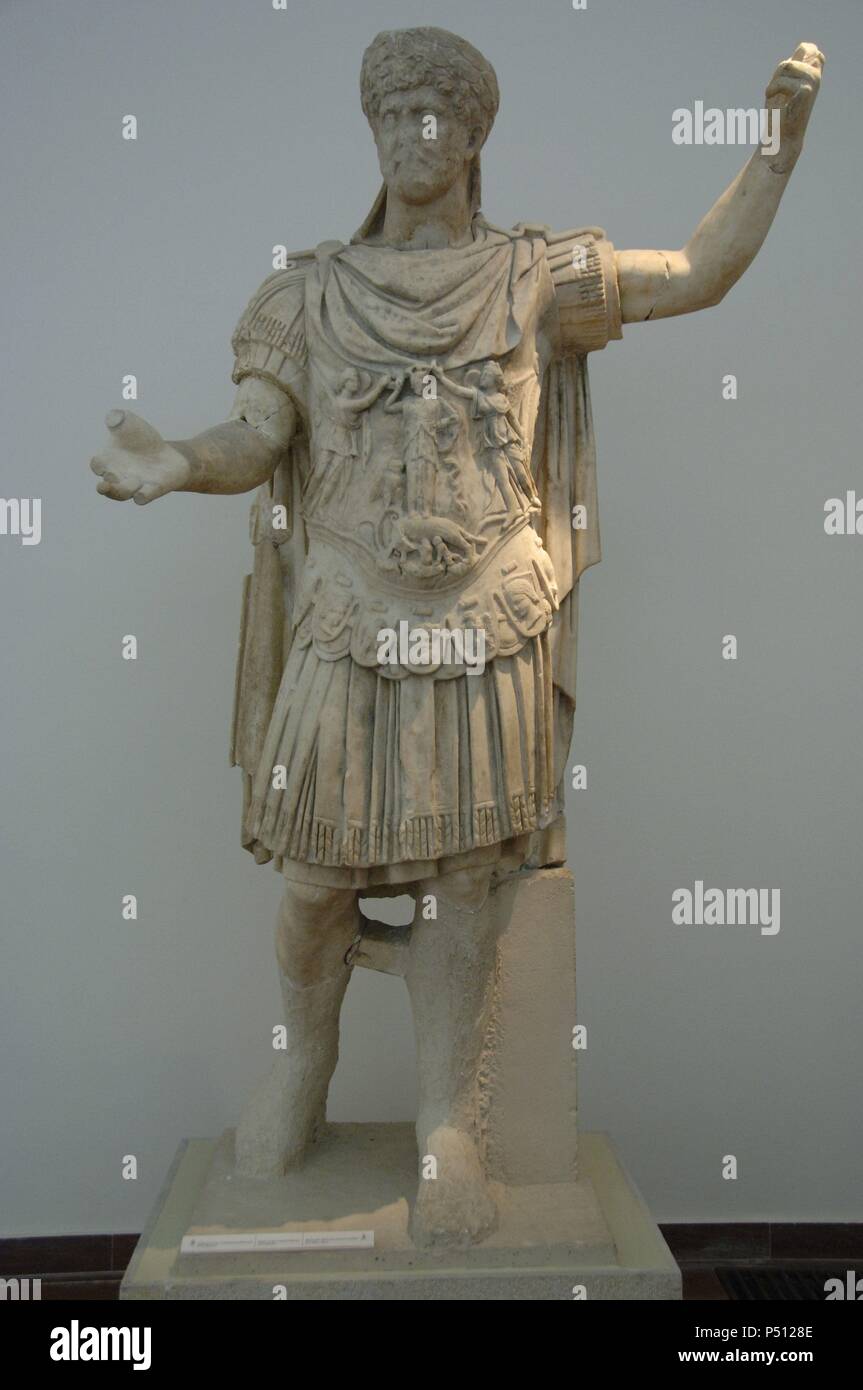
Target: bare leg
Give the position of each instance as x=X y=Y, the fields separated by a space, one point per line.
x=315 y=928
x=450 y=978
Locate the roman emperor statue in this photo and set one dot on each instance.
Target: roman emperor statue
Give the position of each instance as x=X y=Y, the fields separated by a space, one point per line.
x=412 y=408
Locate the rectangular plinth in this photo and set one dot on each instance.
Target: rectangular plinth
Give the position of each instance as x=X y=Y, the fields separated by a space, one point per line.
x=553 y=1240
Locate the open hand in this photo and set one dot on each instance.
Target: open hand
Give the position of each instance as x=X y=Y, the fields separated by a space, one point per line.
x=137 y=462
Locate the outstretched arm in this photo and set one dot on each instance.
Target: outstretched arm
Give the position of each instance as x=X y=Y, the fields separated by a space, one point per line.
x=659 y=284
x=384 y=383
x=470 y=393
x=234 y=457
x=392 y=404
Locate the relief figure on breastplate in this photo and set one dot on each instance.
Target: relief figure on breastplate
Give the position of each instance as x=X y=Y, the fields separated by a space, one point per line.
x=501 y=444
x=340 y=440
x=427 y=539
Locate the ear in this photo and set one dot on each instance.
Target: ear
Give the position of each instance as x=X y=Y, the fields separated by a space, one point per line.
x=474 y=143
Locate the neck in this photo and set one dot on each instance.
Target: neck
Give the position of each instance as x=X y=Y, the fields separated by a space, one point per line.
x=446 y=221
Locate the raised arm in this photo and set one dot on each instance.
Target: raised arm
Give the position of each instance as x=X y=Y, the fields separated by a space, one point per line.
x=384 y=383
x=659 y=284
x=233 y=457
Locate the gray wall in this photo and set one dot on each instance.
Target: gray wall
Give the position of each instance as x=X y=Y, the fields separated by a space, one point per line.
x=121 y=1038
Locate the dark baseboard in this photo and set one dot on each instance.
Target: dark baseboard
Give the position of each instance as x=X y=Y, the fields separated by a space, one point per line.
x=35 y=1257
x=70 y=1267
x=761 y=1242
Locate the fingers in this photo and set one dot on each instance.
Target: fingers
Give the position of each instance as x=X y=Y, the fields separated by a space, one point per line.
x=794 y=74
x=148 y=492
x=131 y=432
x=810 y=54
x=789 y=71
x=128 y=459
x=791 y=68
x=111 y=486
x=787 y=87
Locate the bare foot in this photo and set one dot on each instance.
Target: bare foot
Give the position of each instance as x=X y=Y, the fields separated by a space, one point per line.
x=455 y=1208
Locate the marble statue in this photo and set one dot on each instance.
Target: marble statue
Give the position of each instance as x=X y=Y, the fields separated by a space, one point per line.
x=413 y=409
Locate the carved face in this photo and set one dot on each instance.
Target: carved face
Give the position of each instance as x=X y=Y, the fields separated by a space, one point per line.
x=491 y=377
x=420 y=158
x=350 y=383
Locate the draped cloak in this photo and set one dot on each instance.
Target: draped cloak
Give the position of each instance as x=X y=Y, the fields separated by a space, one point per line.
x=536 y=303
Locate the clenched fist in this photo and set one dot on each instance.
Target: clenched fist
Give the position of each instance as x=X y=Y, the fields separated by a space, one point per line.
x=793 y=89
x=138 y=462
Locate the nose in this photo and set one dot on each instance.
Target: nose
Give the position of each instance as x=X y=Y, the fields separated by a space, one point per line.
x=409 y=128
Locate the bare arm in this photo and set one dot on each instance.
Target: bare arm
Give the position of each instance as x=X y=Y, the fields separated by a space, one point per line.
x=470 y=393
x=659 y=284
x=233 y=457
x=392 y=406
x=365 y=402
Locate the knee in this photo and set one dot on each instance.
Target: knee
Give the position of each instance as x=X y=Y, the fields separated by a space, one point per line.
x=307 y=910
x=311 y=900
x=314 y=927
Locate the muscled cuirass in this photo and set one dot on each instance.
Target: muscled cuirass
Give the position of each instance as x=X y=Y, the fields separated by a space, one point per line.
x=419 y=501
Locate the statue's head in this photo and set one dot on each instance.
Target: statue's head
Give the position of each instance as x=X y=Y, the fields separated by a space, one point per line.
x=411 y=75
x=491 y=377
x=350 y=382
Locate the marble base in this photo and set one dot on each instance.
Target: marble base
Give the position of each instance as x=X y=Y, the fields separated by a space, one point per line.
x=552 y=1237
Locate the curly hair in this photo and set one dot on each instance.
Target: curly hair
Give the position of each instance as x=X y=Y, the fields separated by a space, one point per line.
x=399 y=60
